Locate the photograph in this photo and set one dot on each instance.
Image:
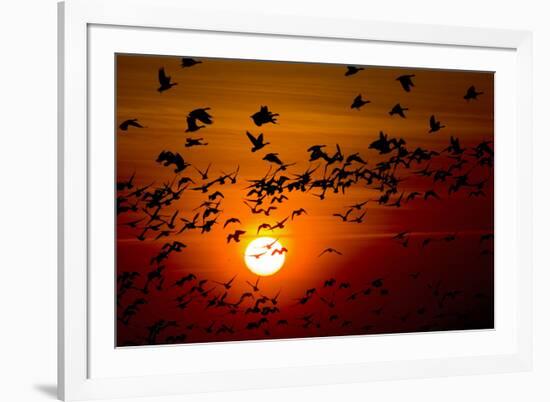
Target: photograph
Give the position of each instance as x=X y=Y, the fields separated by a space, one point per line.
x=261 y=200
x=284 y=201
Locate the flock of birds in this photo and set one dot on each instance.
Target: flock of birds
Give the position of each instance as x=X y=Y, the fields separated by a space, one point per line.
x=152 y=212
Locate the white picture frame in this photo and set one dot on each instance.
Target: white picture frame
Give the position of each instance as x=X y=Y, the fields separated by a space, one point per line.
x=83 y=24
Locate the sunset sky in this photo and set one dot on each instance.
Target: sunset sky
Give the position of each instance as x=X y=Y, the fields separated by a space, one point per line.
x=313 y=102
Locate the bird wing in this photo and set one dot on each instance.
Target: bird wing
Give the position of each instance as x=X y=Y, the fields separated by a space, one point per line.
x=162 y=76
x=252 y=138
x=135 y=123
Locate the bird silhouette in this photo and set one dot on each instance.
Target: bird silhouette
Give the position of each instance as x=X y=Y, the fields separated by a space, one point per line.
x=399 y=110
x=345 y=216
x=397 y=203
x=189 y=62
x=254 y=286
x=435 y=125
x=298 y=212
x=133 y=224
x=258 y=255
x=358 y=102
x=231 y=220
x=130 y=123
x=351 y=70
x=269 y=246
x=431 y=193
x=191 y=142
x=411 y=196
x=170 y=158
x=227 y=285
x=358 y=219
x=215 y=195
x=279 y=251
x=165 y=81
x=401 y=236
x=471 y=93
x=330 y=250
x=203 y=173
x=264 y=116
x=192 y=125
x=257 y=142
x=263 y=226
x=378 y=283
x=235 y=236
x=128 y=184
x=184 y=279
x=406 y=81
x=273 y=158
x=279 y=224
x=486 y=237
x=201 y=115
x=279 y=199
x=358 y=206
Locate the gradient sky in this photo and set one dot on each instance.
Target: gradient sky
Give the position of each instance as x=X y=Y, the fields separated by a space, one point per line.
x=313 y=101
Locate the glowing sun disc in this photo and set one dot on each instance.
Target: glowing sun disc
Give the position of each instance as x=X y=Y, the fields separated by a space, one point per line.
x=264 y=256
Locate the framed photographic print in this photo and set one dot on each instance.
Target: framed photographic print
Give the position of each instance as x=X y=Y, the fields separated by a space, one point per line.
x=239 y=200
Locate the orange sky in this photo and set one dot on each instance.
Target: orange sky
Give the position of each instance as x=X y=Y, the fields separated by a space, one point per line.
x=313 y=102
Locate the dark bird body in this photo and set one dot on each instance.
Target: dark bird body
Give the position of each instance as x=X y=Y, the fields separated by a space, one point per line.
x=264 y=116
x=471 y=93
x=189 y=62
x=399 y=110
x=359 y=102
x=351 y=70
x=257 y=142
x=130 y=123
x=165 y=81
x=435 y=125
x=406 y=81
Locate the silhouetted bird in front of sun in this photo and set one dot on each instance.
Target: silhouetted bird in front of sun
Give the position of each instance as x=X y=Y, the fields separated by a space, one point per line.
x=359 y=102
x=399 y=110
x=257 y=142
x=353 y=70
x=279 y=251
x=264 y=116
x=406 y=81
x=130 y=123
x=471 y=93
x=165 y=81
x=189 y=62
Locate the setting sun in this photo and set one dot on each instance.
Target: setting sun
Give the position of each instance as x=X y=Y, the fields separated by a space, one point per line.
x=265 y=256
